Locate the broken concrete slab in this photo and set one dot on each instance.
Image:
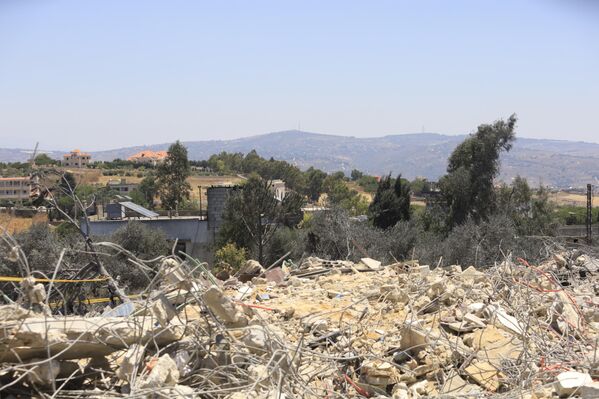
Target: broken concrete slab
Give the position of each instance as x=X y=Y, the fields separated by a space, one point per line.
x=226 y=311
x=129 y=363
x=164 y=373
x=455 y=385
x=569 y=383
x=485 y=374
x=371 y=263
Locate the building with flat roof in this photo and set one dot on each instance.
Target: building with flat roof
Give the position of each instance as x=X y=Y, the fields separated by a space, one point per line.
x=278 y=188
x=76 y=159
x=14 y=188
x=121 y=186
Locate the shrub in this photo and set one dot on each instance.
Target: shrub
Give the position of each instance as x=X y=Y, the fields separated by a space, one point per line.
x=143 y=242
x=232 y=255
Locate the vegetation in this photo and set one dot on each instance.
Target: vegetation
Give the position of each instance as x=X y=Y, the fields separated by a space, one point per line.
x=42 y=245
x=312 y=183
x=391 y=203
x=468 y=185
x=172 y=177
x=146 y=191
x=253 y=215
x=45 y=160
x=368 y=183
x=231 y=255
x=467 y=219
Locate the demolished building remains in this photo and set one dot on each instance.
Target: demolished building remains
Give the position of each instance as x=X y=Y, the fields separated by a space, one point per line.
x=317 y=329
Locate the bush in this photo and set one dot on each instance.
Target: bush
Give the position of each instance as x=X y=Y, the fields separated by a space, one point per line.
x=334 y=235
x=232 y=255
x=479 y=245
x=284 y=240
x=143 y=242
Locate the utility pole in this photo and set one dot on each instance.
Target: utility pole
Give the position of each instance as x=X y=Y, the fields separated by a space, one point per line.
x=589 y=213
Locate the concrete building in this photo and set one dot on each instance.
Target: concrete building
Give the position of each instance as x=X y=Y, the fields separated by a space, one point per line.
x=14 y=188
x=121 y=186
x=194 y=234
x=278 y=188
x=76 y=159
x=191 y=233
x=148 y=157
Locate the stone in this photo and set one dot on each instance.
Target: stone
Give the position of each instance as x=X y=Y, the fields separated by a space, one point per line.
x=590 y=390
x=163 y=310
x=251 y=267
x=570 y=382
x=164 y=373
x=500 y=317
x=485 y=375
x=131 y=359
x=380 y=373
x=473 y=275
x=413 y=338
x=255 y=339
x=394 y=293
x=173 y=273
x=400 y=391
x=223 y=308
x=275 y=275
x=436 y=289
x=456 y=386
x=418 y=389
x=568 y=318
x=371 y=263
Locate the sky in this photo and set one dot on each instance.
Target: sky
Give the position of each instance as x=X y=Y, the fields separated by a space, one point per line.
x=102 y=74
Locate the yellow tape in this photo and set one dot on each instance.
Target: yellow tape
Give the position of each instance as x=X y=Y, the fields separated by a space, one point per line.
x=47 y=280
x=90 y=301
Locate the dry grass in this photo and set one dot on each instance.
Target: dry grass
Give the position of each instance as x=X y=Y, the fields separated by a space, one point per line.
x=563 y=198
x=18 y=224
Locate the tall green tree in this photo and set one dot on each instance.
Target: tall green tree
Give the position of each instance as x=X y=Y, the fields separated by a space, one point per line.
x=146 y=191
x=172 y=177
x=391 y=202
x=356 y=174
x=468 y=185
x=253 y=215
x=315 y=183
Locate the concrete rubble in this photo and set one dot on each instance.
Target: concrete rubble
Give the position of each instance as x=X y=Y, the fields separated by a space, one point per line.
x=321 y=329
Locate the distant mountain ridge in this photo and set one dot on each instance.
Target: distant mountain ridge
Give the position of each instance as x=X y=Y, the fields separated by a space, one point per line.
x=557 y=163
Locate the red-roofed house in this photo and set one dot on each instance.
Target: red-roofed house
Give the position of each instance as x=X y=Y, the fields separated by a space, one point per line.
x=148 y=156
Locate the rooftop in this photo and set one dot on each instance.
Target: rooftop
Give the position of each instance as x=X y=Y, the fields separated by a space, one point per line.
x=76 y=152
x=148 y=154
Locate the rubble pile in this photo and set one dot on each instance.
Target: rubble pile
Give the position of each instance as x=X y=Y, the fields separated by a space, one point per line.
x=321 y=329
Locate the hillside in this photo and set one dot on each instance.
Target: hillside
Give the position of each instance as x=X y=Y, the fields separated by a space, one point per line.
x=552 y=162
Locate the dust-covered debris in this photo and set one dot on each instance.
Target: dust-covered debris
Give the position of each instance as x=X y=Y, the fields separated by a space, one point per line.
x=322 y=329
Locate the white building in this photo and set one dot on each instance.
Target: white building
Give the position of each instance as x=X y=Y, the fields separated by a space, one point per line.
x=14 y=188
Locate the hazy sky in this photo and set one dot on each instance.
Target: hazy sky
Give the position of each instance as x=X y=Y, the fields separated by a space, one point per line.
x=111 y=73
